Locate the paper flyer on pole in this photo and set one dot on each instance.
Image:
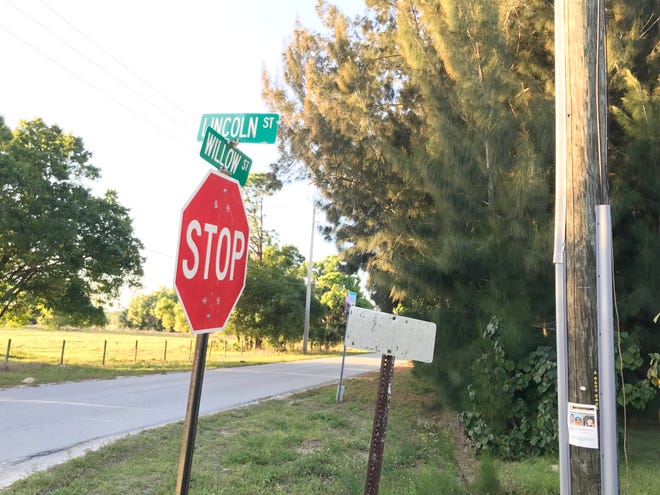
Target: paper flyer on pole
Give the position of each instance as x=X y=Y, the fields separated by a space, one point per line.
x=582 y=425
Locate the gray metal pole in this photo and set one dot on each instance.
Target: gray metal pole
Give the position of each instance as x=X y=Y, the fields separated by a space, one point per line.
x=308 y=299
x=609 y=472
x=340 y=387
x=559 y=255
x=562 y=380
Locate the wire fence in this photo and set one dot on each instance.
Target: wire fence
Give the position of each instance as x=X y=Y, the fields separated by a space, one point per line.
x=101 y=349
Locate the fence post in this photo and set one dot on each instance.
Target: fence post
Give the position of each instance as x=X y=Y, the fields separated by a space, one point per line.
x=62 y=355
x=225 y=348
x=190 y=351
x=7 y=355
x=105 y=346
x=165 y=353
x=136 y=348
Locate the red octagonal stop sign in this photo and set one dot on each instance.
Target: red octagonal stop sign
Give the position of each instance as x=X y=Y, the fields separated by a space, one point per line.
x=211 y=258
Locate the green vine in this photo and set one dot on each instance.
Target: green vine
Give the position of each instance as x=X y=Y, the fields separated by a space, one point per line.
x=637 y=390
x=514 y=405
x=513 y=411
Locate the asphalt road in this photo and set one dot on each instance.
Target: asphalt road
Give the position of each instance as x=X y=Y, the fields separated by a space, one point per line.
x=49 y=424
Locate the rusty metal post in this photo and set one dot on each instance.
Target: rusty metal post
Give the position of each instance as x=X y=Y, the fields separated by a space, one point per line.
x=192 y=414
x=380 y=425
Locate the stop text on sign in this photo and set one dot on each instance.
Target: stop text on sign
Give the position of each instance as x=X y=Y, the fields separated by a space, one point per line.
x=212 y=253
x=224 y=250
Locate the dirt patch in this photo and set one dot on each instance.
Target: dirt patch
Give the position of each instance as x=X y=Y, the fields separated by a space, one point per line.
x=309 y=446
x=464 y=454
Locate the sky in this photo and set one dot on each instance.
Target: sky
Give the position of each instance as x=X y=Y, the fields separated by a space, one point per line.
x=133 y=79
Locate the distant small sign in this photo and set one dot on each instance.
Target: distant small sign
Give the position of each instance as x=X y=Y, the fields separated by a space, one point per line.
x=351 y=299
x=399 y=336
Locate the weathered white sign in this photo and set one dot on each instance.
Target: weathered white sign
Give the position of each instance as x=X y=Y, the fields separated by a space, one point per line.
x=399 y=336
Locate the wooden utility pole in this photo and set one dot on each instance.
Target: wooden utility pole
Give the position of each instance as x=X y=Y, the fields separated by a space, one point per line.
x=586 y=187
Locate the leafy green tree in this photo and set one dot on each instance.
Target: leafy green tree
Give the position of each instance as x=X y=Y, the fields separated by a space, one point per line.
x=165 y=308
x=61 y=247
x=164 y=311
x=330 y=288
x=180 y=321
x=140 y=313
x=159 y=310
x=273 y=301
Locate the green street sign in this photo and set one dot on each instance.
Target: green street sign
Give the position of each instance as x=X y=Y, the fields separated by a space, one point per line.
x=218 y=152
x=244 y=127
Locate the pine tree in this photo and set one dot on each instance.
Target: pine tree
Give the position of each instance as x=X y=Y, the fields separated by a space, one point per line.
x=634 y=165
x=428 y=127
x=425 y=143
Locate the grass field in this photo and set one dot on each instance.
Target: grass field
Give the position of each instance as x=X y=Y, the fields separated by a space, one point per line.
x=49 y=356
x=88 y=347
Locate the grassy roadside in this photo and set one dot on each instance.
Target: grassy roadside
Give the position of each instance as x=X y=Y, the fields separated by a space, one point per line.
x=309 y=444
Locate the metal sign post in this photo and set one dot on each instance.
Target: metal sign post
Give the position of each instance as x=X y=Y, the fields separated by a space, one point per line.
x=391 y=335
x=351 y=298
x=209 y=294
x=380 y=425
x=340 y=386
x=192 y=414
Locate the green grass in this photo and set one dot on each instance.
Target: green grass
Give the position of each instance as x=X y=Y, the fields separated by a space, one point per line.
x=303 y=444
x=309 y=444
x=539 y=476
x=639 y=476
